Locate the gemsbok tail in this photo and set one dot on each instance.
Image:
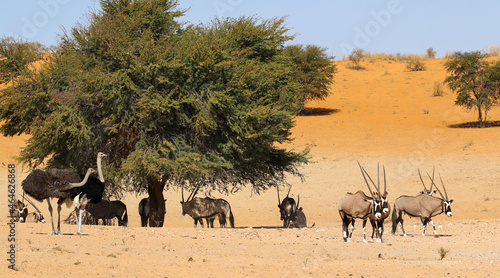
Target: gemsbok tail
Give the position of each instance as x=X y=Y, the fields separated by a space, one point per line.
x=125 y=218
x=231 y=218
x=395 y=220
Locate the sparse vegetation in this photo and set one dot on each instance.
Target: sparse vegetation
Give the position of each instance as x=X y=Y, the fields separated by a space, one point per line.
x=443 y=252
x=438 y=90
x=431 y=54
x=416 y=63
x=356 y=55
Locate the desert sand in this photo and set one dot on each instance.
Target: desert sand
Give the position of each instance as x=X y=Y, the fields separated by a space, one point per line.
x=380 y=115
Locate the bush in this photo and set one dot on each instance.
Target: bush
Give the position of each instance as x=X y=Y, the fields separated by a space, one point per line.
x=438 y=90
x=415 y=64
x=356 y=56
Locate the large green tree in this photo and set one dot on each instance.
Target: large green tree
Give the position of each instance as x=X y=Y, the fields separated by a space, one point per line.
x=172 y=105
x=475 y=81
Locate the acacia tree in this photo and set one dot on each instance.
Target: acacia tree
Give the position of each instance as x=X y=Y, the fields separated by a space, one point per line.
x=474 y=81
x=315 y=70
x=204 y=105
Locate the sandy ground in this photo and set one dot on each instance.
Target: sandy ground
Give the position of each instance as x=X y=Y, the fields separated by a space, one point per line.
x=382 y=114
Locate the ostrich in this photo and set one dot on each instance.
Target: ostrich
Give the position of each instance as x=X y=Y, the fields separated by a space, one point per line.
x=68 y=187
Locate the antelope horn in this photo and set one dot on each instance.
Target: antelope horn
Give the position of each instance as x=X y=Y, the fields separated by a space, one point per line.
x=378 y=177
x=385 y=181
x=444 y=188
x=366 y=181
x=192 y=193
x=289 y=190
x=423 y=180
x=182 y=193
x=433 y=168
x=439 y=191
x=298 y=202
x=278 y=189
x=378 y=188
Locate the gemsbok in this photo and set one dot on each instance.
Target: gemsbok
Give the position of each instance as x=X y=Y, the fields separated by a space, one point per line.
x=423 y=206
x=19 y=212
x=199 y=208
x=378 y=223
x=287 y=207
x=427 y=191
x=298 y=218
x=358 y=205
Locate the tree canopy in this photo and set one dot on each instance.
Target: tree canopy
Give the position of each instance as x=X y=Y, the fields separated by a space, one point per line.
x=171 y=105
x=475 y=81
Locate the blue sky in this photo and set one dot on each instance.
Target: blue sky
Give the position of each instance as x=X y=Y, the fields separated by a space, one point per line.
x=391 y=26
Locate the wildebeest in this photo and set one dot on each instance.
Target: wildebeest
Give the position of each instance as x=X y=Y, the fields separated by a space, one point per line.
x=208 y=208
x=358 y=205
x=19 y=212
x=144 y=211
x=287 y=207
x=423 y=206
x=106 y=210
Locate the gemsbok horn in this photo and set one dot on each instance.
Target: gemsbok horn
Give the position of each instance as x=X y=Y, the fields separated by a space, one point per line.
x=358 y=205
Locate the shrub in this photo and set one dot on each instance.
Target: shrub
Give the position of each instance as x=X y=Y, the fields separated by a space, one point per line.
x=356 y=56
x=415 y=64
x=438 y=90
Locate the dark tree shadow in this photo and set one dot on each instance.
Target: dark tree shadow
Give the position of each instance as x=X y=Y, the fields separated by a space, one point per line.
x=476 y=124
x=318 y=111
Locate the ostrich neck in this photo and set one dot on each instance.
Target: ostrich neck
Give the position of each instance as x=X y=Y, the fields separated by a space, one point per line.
x=84 y=181
x=99 y=170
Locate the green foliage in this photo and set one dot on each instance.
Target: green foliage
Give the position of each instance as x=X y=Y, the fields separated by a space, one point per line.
x=315 y=70
x=16 y=56
x=475 y=82
x=171 y=105
x=356 y=55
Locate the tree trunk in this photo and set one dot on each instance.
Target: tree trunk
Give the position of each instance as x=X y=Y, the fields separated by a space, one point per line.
x=480 y=116
x=156 y=203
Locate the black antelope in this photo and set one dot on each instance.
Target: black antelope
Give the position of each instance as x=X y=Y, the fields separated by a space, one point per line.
x=107 y=210
x=358 y=205
x=298 y=218
x=423 y=206
x=208 y=208
x=287 y=207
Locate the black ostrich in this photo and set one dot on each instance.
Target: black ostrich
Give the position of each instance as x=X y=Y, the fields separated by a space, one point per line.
x=68 y=187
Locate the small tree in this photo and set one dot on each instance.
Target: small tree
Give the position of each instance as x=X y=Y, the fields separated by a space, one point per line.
x=314 y=70
x=431 y=54
x=475 y=82
x=356 y=55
